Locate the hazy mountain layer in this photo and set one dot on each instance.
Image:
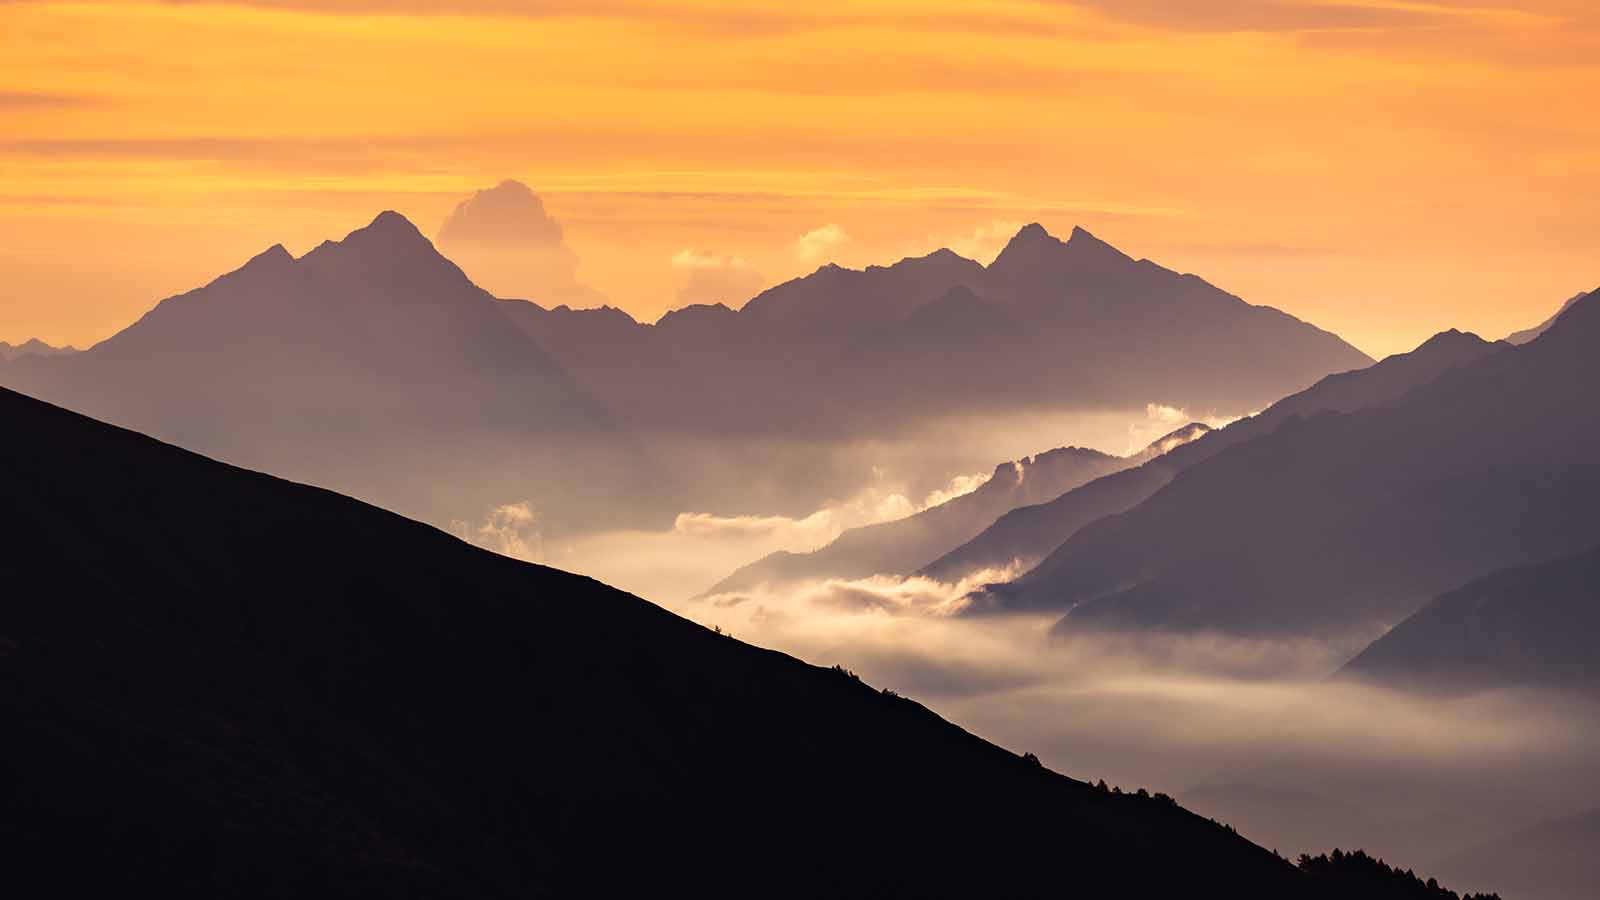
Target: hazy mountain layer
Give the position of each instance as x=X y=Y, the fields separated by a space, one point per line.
x=1531 y=626
x=1528 y=334
x=374 y=365
x=898 y=547
x=901 y=546
x=1553 y=860
x=1049 y=325
x=31 y=347
x=1026 y=535
x=1355 y=520
x=371 y=364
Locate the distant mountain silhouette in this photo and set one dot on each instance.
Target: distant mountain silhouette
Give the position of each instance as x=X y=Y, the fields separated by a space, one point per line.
x=370 y=363
x=1050 y=324
x=1554 y=860
x=1528 y=626
x=1026 y=535
x=1355 y=520
x=901 y=546
x=31 y=347
x=898 y=547
x=374 y=365
x=218 y=683
x=1528 y=334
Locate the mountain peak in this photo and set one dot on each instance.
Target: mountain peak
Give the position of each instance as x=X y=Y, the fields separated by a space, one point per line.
x=266 y=264
x=388 y=235
x=1032 y=231
x=1034 y=246
x=1030 y=244
x=273 y=256
x=1450 y=338
x=391 y=222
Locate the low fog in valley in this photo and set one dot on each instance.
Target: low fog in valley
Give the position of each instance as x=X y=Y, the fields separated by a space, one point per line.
x=1258 y=732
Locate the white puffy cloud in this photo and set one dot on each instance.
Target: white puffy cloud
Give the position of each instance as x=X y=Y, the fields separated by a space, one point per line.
x=820 y=243
x=715 y=278
x=508 y=244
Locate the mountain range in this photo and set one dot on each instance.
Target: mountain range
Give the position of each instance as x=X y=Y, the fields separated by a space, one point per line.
x=901 y=546
x=222 y=683
x=31 y=347
x=371 y=364
x=1028 y=534
x=374 y=365
x=1044 y=326
x=1353 y=520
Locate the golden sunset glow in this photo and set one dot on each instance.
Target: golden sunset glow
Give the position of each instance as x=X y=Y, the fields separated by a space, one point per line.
x=1382 y=169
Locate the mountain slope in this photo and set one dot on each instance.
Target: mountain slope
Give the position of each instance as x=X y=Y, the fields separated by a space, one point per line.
x=1026 y=535
x=1355 y=520
x=357 y=365
x=221 y=683
x=1528 y=626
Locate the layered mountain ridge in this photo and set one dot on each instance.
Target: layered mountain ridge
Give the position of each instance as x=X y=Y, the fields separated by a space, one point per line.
x=1026 y=535
x=31 y=347
x=901 y=546
x=374 y=365
x=1043 y=326
x=1354 y=519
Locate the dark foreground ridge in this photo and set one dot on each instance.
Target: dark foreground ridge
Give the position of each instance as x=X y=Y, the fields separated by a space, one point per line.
x=219 y=683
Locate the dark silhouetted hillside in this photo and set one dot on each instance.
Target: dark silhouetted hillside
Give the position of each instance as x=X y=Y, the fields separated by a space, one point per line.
x=1365 y=876
x=219 y=683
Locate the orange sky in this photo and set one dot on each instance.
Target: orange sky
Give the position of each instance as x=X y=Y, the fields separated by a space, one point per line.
x=1383 y=168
